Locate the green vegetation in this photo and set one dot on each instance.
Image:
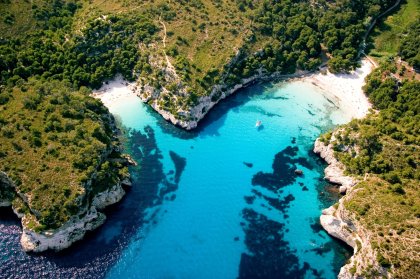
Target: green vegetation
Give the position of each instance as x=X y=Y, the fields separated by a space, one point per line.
x=409 y=48
x=384 y=146
x=55 y=136
x=53 y=140
x=396 y=125
x=105 y=47
x=207 y=42
x=388 y=34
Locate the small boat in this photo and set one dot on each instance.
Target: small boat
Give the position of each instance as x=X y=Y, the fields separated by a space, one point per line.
x=258 y=124
x=298 y=172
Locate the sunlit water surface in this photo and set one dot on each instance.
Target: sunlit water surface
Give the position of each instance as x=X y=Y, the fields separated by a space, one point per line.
x=219 y=202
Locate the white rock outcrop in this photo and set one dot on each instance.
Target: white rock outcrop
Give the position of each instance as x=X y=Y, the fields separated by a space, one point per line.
x=219 y=92
x=336 y=227
x=62 y=238
x=108 y=197
x=73 y=230
x=341 y=223
x=334 y=172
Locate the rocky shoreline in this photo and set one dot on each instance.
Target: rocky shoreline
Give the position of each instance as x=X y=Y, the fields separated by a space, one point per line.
x=352 y=95
x=336 y=220
x=73 y=230
x=334 y=173
x=345 y=89
x=88 y=219
x=206 y=103
x=340 y=222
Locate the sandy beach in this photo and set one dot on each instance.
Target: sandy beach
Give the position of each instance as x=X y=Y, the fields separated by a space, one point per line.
x=346 y=89
x=114 y=90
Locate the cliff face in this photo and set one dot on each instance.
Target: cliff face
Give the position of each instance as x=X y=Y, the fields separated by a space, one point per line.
x=189 y=117
x=342 y=224
x=87 y=219
x=334 y=172
x=62 y=167
x=6 y=190
x=62 y=238
x=195 y=113
x=73 y=230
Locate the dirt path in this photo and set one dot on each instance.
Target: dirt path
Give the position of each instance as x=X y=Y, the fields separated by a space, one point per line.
x=375 y=20
x=372 y=61
x=164 y=45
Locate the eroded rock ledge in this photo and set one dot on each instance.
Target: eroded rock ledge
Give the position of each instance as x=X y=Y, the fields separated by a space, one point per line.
x=188 y=119
x=73 y=230
x=341 y=223
x=334 y=172
x=89 y=218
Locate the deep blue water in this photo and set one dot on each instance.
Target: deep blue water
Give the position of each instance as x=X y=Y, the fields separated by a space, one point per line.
x=219 y=202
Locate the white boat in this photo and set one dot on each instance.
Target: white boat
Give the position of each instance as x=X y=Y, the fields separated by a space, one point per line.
x=258 y=124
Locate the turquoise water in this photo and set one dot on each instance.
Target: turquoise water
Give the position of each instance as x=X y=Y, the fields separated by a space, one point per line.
x=218 y=202
x=221 y=220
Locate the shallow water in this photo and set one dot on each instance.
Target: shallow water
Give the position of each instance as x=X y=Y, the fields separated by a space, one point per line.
x=219 y=202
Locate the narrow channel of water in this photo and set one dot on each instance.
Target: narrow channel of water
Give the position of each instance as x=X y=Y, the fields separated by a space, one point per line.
x=219 y=202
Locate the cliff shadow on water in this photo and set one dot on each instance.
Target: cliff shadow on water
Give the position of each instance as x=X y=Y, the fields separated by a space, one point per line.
x=269 y=254
x=215 y=118
x=100 y=249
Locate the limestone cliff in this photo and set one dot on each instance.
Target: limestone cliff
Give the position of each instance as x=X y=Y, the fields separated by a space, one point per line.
x=73 y=230
x=87 y=219
x=66 y=235
x=334 y=172
x=342 y=224
x=172 y=87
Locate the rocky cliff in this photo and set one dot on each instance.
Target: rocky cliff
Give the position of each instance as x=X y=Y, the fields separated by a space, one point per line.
x=342 y=224
x=73 y=230
x=188 y=117
x=334 y=172
x=87 y=219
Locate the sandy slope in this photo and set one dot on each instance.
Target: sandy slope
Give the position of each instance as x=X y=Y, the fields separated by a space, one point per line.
x=346 y=89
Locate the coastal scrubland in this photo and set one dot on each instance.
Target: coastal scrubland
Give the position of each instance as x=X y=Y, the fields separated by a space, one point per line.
x=53 y=134
x=202 y=43
x=394 y=32
x=53 y=140
x=383 y=151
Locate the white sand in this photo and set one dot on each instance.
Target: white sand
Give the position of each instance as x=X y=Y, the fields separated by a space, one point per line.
x=114 y=90
x=346 y=89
